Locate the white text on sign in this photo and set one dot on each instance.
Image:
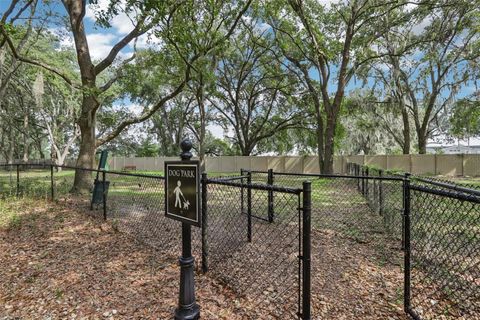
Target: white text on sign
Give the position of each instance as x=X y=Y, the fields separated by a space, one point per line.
x=181 y=173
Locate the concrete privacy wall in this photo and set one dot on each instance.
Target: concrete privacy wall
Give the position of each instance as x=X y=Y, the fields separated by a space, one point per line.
x=427 y=164
x=449 y=165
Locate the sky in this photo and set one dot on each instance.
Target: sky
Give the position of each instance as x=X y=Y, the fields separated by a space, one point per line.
x=101 y=40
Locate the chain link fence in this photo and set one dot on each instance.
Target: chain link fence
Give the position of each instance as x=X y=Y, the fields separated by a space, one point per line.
x=440 y=225
x=253 y=229
x=444 y=250
x=255 y=257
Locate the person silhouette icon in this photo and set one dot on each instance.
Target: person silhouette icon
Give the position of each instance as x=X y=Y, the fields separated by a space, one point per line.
x=178 y=192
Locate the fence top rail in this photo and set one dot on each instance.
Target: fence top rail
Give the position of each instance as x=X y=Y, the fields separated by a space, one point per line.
x=255 y=171
x=447 y=185
x=438 y=183
x=44 y=165
x=140 y=175
x=25 y=164
x=228 y=178
x=339 y=176
x=255 y=186
x=447 y=193
x=326 y=176
x=391 y=173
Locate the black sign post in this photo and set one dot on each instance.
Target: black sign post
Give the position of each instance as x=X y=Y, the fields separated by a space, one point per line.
x=182 y=202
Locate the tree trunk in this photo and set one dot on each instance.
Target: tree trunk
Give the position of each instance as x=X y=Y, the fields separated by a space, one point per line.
x=329 y=145
x=320 y=133
x=60 y=160
x=39 y=148
x=11 y=149
x=406 y=132
x=86 y=122
x=248 y=148
x=86 y=156
x=422 y=142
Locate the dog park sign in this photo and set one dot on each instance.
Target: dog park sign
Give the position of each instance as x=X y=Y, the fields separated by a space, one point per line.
x=182 y=191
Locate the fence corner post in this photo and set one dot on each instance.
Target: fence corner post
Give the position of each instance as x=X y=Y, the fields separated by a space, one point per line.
x=270 y=196
x=242 y=191
x=363 y=181
x=306 y=250
x=204 y=223
x=366 y=185
x=406 y=183
x=406 y=233
x=357 y=173
x=249 y=206
x=380 y=193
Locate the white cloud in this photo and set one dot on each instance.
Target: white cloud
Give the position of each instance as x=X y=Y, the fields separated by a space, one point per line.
x=92 y=8
x=100 y=44
x=121 y=23
x=148 y=40
x=65 y=38
x=216 y=131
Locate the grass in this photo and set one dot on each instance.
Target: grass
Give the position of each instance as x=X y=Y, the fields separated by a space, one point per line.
x=11 y=217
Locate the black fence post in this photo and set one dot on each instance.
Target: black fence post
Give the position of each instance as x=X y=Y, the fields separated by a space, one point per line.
x=357 y=173
x=404 y=194
x=249 y=207
x=270 y=196
x=18 y=180
x=367 y=181
x=52 y=183
x=242 y=191
x=375 y=191
x=363 y=181
x=104 y=198
x=360 y=170
x=407 y=252
x=306 y=248
x=380 y=193
x=204 y=223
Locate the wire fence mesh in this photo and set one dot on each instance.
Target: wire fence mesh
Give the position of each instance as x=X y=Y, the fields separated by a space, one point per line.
x=445 y=254
x=342 y=203
x=443 y=277
x=255 y=257
x=252 y=237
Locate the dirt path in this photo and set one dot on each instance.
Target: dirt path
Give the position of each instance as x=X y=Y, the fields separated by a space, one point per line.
x=352 y=280
x=356 y=266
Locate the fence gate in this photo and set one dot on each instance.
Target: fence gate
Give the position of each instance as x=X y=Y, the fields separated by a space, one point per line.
x=265 y=260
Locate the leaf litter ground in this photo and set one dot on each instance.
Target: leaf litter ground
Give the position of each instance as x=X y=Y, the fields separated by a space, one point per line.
x=59 y=263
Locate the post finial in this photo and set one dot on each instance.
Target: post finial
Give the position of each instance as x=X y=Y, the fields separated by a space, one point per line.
x=186 y=146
